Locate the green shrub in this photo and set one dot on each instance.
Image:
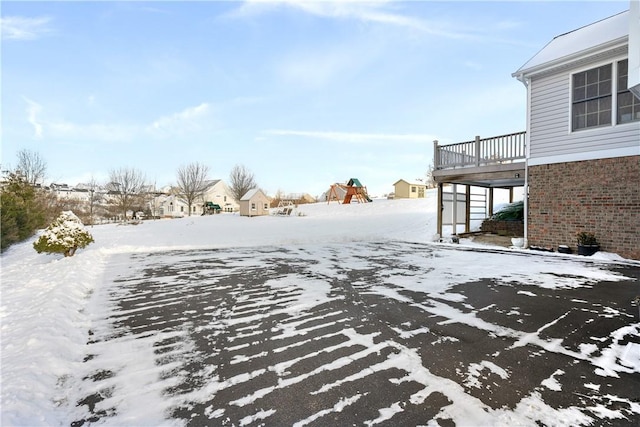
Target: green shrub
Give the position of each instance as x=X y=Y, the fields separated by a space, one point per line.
x=511 y=212
x=64 y=236
x=22 y=209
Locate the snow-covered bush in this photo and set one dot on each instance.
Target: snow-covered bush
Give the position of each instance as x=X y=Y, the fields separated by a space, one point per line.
x=64 y=236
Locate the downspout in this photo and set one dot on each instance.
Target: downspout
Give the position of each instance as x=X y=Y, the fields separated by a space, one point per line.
x=527 y=153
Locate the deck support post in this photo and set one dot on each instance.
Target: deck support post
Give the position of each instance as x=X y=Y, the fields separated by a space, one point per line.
x=467 y=212
x=454 y=211
x=440 y=209
x=490 y=202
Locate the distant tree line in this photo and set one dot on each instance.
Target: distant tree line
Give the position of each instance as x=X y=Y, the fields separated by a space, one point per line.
x=27 y=206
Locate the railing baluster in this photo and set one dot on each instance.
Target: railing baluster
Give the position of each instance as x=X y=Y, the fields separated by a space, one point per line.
x=497 y=149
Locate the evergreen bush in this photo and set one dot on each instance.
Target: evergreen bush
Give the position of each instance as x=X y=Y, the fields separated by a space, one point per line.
x=511 y=212
x=22 y=209
x=64 y=235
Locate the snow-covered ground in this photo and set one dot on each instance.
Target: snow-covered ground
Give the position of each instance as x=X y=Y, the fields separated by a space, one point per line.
x=47 y=300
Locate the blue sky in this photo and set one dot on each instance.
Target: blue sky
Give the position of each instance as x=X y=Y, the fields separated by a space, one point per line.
x=304 y=94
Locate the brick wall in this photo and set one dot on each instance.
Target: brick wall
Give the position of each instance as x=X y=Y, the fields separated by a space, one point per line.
x=506 y=228
x=600 y=196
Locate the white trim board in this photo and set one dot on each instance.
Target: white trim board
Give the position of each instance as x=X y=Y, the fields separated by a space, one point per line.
x=591 y=155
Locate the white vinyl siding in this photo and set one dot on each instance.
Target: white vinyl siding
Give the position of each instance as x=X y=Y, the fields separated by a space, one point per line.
x=550 y=125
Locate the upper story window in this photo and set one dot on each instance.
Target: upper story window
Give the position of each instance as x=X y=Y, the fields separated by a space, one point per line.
x=592 y=98
x=628 y=105
x=596 y=92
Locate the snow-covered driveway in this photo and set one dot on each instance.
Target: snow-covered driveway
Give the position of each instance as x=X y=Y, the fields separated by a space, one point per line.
x=365 y=333
x=340 y=314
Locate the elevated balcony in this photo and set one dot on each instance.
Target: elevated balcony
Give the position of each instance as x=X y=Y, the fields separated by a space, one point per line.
x=484 y=162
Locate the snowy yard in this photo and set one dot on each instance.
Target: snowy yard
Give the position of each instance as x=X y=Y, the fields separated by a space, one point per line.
x=346 y=315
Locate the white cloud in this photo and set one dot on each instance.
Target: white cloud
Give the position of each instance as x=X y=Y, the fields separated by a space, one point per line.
x=364 y=11
x=473 y=65
x=380 y=12
x=190 y=119
x=73 y=133
x=33 y=109
x=21 y=28
x=355 y=137
x=91 y=132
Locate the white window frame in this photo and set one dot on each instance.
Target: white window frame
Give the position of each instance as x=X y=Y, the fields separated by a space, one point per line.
x=587 y=100
x=634 y=100
x=614 y=96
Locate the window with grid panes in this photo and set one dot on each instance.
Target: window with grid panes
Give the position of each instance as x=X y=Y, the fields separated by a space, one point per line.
x=591 y=100
x=628 y=106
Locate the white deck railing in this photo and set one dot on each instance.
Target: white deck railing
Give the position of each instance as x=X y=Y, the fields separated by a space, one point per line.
x=480 y=152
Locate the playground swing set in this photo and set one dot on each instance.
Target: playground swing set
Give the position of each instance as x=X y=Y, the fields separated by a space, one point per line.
x=353 y=188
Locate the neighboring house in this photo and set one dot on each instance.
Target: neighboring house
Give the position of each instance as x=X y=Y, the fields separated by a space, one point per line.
x=63 y=191
x=254 y=203
x=580 y=155
x=335 y=193
x=583 y=127
x=167 y=205
x=298 y=198
x=409 y=190
x=219 y=194
x=170 y=206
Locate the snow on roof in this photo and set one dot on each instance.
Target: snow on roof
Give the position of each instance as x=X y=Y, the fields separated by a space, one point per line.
x=410 y=182
x=249 y=194
x=599 y=35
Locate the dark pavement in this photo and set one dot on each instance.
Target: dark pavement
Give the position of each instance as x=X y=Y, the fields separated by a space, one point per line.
x=329 y=335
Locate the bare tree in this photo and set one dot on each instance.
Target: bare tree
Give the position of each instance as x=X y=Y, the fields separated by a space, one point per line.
x=95 y=196
x=429 y=181
x=193 y=183
x=32 y=166
x=241 y=180
x=125 y=188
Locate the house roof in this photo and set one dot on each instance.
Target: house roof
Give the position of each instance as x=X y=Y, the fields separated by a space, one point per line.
x=249 y=194
x=587 y=40
x=410 y=183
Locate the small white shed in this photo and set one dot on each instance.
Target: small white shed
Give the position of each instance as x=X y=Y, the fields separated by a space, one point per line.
x=254 y=203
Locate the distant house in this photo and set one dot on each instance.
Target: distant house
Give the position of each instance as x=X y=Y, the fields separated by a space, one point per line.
x=170 y=206
x=409 y=190
x=254 y=203
x=292 y=198
x=219 y=194
x=167 y=204
x=336 y=192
